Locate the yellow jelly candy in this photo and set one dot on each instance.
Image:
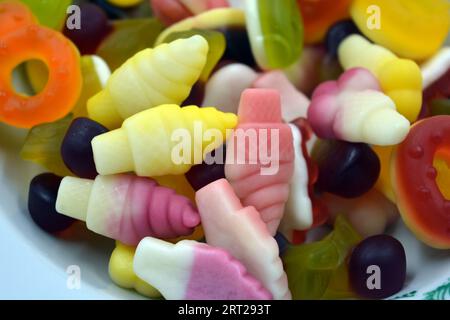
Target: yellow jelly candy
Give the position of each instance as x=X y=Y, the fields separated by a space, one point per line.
x=125 y=3
x=384 y=184
x=400 y=79
x=165 y=140
x=413 y=29
x=150 y=78
x=121 y=271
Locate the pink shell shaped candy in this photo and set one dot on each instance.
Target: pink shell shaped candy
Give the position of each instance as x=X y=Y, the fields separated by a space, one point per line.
x=127 y=208
x=354 y=109
x=260 y=169
x=241 y=232
x=189 y=270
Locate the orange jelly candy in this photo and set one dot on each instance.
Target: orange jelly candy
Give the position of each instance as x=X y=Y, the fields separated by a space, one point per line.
x=319 y=15
x=22 y=40
x=417 y=168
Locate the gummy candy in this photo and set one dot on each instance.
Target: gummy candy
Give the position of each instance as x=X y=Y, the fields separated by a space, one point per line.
x=50 y=13
x=311 y=267
x=356 y=111
x=400 y=79
x=41 y=203
x=260 y=111
x=150 y=78
x=298 y=213
x=128 y=37
x=369 y=214
x=43 y=144
x=13 y=15
x=121 y=271
x=127 y=208
x=216 y=44
x=421 y=196
x=205 y=173
x=384 y=184
x=141 y=145
x=224 y=88
x=337 y=33
x=195 y=271
x=241 y=231
x=275 y=30
x=318 y=16
x=412 y=29
x=125 y=3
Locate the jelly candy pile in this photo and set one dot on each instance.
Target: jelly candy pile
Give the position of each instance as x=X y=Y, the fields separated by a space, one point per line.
x=302 y=118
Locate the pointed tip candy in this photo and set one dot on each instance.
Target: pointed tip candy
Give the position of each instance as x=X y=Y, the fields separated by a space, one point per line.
x=195 y=271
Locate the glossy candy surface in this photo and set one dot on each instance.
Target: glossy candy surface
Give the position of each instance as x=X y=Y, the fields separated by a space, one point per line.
x=422 y=197
x=377 y=267
x=412 y=29
x=346 y=169
x=275 y=30
x=318 y=270
x=76 y=149
x=337 y=33
x=41 y=203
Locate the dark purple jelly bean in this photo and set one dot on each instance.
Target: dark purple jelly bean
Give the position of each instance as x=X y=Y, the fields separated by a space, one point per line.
x=203 y=174
x=93 y=29
x=337 y=33
x=76 y=149
x=238 y=47
x=196 y=95
x=377 y=267
x=282 y=242
x=346 y=169
x=41 y=203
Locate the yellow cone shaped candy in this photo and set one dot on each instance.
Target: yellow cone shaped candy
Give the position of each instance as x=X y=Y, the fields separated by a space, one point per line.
x=163 y=140
x=150 y=78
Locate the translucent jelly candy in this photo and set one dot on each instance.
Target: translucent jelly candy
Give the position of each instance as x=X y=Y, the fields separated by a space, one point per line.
x=51 y=14
x=275 y=30
x=388 y=254
x=216 y=44
x=298 y=214
x=345 y=169
x=243 y=234
x=400 y=79
x=150 y=78
x=411 y=29
x=313 y=267
x=43 y=144
x=13 y=15
x=121 y=271
x=127 y=208
x=95 y=27
x=258 y=180
x=421 y=193
x=195 y=271
x=30 y=42
x=128 y=37
x=369 y=214
x=318 y=16
x=384 y=184
x=353 y=109
x=143 y=144
x=41 y=203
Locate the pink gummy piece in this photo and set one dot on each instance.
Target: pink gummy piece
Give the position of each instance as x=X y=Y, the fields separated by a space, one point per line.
x=216 y=275
x=322 y=112
x=153 y=210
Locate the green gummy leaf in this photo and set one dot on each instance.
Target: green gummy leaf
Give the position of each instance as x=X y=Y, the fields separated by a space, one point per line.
x=50 y=13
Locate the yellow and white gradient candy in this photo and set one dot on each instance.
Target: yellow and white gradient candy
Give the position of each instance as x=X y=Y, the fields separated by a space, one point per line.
x=150 y=78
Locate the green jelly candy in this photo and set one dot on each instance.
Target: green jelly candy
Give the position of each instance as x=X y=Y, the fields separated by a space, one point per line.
x=440 y=107
x=318 y=270
x=128 y=37
x=43 y=145
x=275 y=30
x=216 y=42
x=50 y=13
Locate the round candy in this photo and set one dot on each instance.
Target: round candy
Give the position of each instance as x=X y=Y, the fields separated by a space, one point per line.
x=338 y=32
x=41 y=203
x=412 y=29
x=346 y=169
x=377 y=267
x=94 y=28
x=76 y=149
x=419 y=172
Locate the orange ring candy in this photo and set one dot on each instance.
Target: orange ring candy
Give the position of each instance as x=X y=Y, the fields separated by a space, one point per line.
x=14 y=14
x=64 y=82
